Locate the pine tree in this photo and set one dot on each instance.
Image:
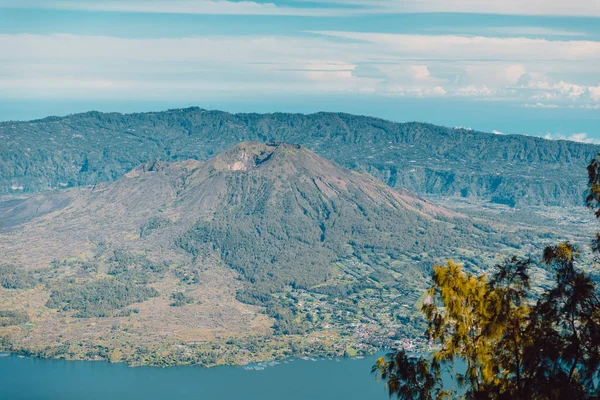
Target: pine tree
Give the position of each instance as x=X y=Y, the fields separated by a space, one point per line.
x=516 y=344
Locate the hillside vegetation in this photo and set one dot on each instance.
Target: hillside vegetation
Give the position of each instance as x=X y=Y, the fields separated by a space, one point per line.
x=85 y=149
x=263 y=251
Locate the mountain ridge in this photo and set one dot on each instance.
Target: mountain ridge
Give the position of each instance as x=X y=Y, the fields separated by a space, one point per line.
x=92 y=147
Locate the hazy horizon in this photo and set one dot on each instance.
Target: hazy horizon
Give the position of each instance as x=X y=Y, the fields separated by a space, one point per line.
x=506 y=67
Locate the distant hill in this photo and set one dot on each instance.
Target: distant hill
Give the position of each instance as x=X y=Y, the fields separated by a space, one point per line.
x=85 y=149
x=261 y=239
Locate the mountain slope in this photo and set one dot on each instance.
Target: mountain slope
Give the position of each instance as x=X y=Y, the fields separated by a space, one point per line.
x=285 y=214
x=203 y=262
x=93 y=147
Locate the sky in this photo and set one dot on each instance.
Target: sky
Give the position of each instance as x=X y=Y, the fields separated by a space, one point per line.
x=528 y=67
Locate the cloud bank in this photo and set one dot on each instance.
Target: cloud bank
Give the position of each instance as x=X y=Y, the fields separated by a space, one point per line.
x=332 y=8
x=575 y=137
x=529 y=70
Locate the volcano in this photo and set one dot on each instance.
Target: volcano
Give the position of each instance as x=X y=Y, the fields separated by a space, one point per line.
x=263 y=238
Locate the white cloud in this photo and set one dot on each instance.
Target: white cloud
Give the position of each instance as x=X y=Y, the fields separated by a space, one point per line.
x=572 y=90
x=420 y=72
x=414 y=91
x=513 y=31
x=335 y=77
x=437 y=91
x=361 y=7
x=375 y=47
x=507 y=7
x=61 y=65
x=454 y=47
x=495 y=132
x=540 y=105
x=594 y=92
x=474 y=91
x=209 y=7
x=514 y=72
x=315 y=65
x=575 y=137
x=409 y=75
x=542 y=89
x=69 y=65
x=510 y=7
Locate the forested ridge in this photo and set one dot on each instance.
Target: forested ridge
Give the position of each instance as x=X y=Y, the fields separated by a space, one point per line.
x=84 y=149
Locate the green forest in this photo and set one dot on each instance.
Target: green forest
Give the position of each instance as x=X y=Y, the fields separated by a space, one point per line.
x=96 y=147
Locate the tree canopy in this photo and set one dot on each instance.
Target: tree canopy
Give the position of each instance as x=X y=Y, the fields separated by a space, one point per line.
x=516 y=343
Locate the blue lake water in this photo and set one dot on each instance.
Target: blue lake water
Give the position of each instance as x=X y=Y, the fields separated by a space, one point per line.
x=37 y=379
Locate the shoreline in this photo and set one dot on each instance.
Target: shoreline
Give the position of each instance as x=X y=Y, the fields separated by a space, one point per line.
x=252 y=366
x=260 y=363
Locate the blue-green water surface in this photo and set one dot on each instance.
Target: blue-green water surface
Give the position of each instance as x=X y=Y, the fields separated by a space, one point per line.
x=37 y=379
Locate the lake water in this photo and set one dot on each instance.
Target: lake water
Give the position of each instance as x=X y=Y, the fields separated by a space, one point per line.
x=37 y=379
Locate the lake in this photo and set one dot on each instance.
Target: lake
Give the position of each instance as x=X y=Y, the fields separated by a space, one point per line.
x=37 y=379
